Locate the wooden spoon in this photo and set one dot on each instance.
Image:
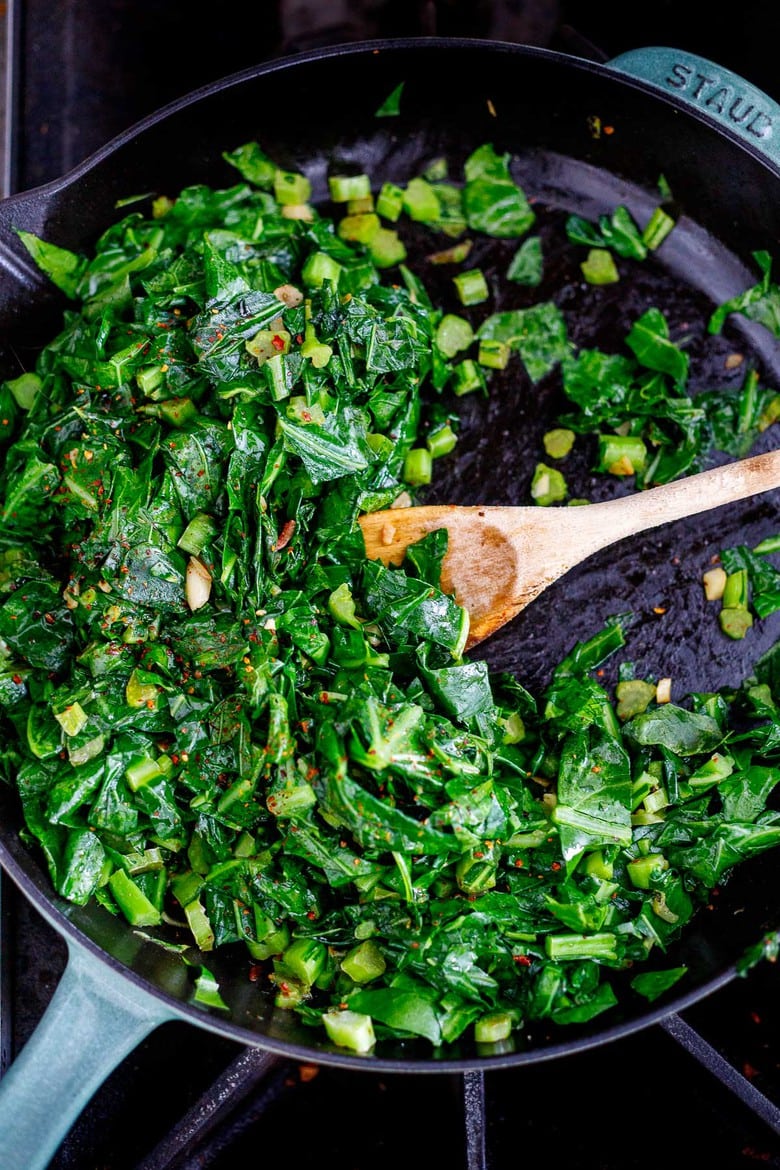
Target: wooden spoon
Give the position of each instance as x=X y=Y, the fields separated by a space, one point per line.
x=500 y=558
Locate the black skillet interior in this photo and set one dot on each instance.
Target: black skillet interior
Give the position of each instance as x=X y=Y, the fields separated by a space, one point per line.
x=318 y=109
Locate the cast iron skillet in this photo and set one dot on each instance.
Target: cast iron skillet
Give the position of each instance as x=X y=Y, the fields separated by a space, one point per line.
x=586 y=137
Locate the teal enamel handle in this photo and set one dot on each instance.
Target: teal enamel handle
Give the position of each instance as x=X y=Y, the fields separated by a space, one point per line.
x=94 y=1019
x=710 y=89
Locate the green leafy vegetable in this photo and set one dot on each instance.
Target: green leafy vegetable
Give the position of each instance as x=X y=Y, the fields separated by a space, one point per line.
x=527 y=264
x=391 y=106
x=64 y=268
x=538 y=334
x=233 y=730
x=760 y=302
x=493 y=202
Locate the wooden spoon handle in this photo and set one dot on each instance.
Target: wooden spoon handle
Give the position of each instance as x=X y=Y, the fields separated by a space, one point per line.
x=605 y=523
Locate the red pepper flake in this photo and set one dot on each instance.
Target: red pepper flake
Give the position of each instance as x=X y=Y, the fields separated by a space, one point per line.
x=519 y=863
x=255 y=971
x=523 y=960
x=285 y=536
x=277 y=342
x=49 y=618
x=748 y=1071
x=17 y=678
x=307 y=1072
x=556 y=865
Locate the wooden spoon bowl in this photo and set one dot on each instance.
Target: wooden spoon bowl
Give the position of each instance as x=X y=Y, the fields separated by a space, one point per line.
x=499 y=559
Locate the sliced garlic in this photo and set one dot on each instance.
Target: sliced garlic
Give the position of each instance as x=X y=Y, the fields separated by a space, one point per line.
x=297 y=211
x=289 y=295
x=197 y=584
x=714 y=581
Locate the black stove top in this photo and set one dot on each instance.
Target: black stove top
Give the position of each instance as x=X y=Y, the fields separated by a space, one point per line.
x=705 y=1087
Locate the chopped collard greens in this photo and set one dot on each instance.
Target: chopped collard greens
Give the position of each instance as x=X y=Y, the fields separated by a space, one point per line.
x=229 y=727
x=746 y=584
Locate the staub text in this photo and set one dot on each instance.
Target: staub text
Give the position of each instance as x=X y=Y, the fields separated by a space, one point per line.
x=721 y=99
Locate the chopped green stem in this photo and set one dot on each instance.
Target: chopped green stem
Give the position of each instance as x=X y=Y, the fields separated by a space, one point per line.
x=581 y=946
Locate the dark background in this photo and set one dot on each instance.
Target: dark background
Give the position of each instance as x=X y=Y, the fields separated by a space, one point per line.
x=86 y=70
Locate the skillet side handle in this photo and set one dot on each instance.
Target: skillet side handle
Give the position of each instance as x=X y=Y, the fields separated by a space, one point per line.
x=710 y=89
x=94 y=1019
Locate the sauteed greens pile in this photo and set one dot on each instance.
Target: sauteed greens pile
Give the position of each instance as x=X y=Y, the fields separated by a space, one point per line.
x=228 y=726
